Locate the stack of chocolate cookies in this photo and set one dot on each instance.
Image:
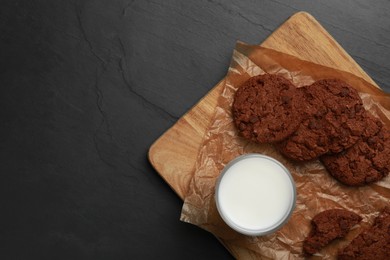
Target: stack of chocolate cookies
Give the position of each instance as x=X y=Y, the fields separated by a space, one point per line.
x=324 y=120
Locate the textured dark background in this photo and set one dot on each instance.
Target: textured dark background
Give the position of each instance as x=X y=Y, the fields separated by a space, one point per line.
x=87 y=86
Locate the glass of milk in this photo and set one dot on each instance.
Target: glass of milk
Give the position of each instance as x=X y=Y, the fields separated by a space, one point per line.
x=255 y=194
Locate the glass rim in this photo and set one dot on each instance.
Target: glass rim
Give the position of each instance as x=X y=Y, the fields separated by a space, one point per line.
x=262 y=231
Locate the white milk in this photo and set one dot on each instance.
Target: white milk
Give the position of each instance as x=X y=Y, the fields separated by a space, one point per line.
x=255 y=195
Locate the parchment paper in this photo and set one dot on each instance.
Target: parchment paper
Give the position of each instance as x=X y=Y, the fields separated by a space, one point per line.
x=316 y=189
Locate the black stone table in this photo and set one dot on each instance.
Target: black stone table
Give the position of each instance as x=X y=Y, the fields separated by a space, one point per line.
x=87 y=86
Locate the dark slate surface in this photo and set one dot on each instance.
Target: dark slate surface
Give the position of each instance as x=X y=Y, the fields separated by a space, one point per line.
x=87 y=86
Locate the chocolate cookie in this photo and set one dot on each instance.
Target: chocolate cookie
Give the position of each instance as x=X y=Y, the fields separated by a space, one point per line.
x=373 y=243
x=265 y=109
x=333 y=121
x=327 y=226
x=367 y=161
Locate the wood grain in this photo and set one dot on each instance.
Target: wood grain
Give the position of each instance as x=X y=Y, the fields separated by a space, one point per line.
x=174 y=154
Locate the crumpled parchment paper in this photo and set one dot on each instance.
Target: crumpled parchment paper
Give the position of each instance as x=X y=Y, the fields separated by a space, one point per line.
x=316 y=189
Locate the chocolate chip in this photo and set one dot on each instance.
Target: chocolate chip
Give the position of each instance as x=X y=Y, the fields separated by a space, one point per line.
x=344 y=92
x=370 y=155
x=371 y=141
x=286 y=99
x=352 y=165
x=351 y=113
x=313 y=124
x=260 y=82
x=253 y=119
x=321 y=141
x=321 y=112
x=242 y=126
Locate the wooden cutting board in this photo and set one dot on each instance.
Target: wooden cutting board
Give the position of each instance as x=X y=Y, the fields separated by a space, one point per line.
x=174 y=154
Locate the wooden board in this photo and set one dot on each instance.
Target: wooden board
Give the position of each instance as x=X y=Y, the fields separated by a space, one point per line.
x=174 y=154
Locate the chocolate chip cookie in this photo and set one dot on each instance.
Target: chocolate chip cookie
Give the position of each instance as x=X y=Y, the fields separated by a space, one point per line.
x=367 y=161
x=327 y=226
x=333 y=121
x=373 y=243
x=265 y=109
